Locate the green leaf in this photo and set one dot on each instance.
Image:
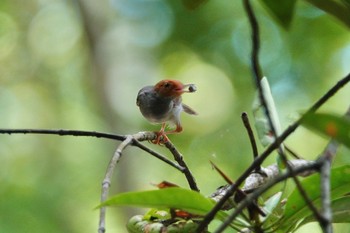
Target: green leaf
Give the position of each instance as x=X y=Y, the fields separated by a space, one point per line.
x=330 y=125
x=272 y=203
x=261 y=123
x=176 y=197
x=338 y=9
x=282 y=11
x=297 y=210
x=341 y=210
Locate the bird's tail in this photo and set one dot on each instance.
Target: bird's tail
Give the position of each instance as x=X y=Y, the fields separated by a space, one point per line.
x=189 y=110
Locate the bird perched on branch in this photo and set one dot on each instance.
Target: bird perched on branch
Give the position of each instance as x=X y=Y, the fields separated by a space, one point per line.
x=162 y=104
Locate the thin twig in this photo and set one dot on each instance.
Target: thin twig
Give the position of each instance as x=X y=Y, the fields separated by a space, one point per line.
x=255 y=46
x=248 y=127
x=295 y=155
x=157 y=155
x=210 y=216
x=179 y=159
x=63 y=132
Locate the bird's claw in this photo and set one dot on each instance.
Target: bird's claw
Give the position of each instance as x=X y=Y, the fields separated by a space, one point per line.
x=161 y=138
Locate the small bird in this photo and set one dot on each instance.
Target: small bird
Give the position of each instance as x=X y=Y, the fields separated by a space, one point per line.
x=162 y=104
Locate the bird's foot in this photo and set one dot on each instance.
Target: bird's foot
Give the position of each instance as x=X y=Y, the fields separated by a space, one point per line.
x=161 y=138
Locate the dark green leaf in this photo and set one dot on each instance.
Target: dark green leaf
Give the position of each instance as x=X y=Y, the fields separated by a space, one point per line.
x=282 y=11
x=330 y=125
x=337 y=8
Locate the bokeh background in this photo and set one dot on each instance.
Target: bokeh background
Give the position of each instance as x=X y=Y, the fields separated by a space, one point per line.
x=79 y=65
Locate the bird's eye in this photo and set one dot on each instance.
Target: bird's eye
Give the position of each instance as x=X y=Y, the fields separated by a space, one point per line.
x=167 y=85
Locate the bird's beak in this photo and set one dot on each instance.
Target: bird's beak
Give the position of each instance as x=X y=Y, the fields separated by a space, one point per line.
x=189 y=88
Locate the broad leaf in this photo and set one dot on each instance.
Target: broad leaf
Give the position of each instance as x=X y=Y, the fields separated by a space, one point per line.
x=178 y=198
x=174 y=197
x=329 y=125
x=282 y=11
x=297 y=210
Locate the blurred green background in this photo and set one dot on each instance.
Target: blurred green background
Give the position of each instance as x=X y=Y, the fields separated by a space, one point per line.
x=79 y=65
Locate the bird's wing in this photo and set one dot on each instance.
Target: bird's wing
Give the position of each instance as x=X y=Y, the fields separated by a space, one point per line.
x=189 y=110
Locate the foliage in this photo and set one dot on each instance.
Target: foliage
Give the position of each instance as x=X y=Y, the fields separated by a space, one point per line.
x=179 y=198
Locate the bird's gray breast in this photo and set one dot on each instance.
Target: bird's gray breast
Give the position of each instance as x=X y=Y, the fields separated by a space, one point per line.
x=152 y=106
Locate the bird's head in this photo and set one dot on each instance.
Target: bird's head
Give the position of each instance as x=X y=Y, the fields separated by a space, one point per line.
x=173 y=88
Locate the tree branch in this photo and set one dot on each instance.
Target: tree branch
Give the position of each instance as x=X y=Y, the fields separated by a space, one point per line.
x=80 y=133
x=179 y=159
x=63 y=132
